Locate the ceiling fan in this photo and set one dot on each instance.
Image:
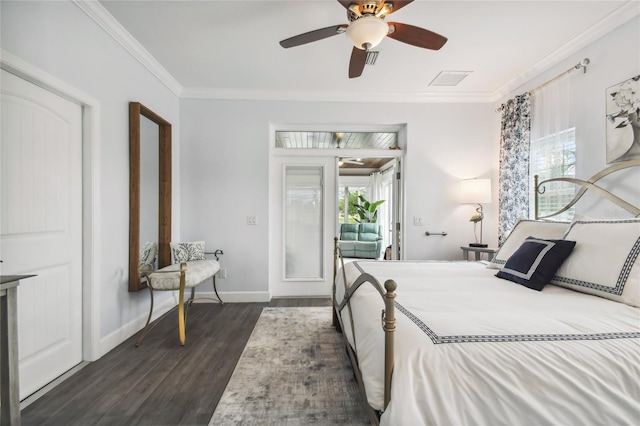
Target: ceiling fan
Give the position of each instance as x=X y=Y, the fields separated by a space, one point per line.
x=351 y=160
x=367 y=28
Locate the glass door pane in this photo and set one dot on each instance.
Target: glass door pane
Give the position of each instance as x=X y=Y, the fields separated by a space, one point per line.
x=303 y=223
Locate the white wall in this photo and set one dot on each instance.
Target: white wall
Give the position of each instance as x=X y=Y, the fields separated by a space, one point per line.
x=225 y=159
x=614 y=58
x=225 y=173
x=61 y=40
x=221 y=149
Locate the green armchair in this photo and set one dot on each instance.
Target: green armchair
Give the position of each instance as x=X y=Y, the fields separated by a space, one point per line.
x=363 y=240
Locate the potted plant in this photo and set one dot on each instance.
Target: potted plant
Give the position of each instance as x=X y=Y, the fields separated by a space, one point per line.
x=367 y=211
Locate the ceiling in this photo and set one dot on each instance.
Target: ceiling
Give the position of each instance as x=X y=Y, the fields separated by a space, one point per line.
x=229 y=49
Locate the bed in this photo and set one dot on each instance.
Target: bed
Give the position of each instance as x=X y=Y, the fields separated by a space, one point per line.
x=450 y=343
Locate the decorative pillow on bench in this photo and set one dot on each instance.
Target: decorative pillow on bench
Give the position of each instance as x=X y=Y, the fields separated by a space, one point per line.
x=184 y=252
x=148 y=254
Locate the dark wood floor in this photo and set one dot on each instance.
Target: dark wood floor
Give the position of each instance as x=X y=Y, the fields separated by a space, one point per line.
x=160 y=382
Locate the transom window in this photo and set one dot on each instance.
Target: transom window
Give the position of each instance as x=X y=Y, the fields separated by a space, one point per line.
x=332 y=140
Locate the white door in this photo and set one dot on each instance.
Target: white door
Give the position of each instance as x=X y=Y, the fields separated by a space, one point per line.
x=302 y=226
x=41 y=226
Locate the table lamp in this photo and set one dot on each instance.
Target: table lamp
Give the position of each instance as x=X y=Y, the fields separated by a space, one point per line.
x=476 y=191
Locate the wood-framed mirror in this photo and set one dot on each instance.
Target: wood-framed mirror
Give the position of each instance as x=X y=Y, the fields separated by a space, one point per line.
x=149 y=176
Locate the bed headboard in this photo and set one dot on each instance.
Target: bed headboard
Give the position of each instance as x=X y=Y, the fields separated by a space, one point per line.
x=588 y=185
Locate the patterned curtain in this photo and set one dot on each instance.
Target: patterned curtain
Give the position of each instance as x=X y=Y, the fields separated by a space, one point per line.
x=513 y=192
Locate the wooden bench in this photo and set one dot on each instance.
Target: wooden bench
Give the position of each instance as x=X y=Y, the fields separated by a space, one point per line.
x=180 y=277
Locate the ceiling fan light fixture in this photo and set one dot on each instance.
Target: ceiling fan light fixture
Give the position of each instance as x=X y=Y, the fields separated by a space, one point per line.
x=367 y=32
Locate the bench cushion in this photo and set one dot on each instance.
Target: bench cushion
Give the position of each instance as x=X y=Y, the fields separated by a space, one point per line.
x=168 y=278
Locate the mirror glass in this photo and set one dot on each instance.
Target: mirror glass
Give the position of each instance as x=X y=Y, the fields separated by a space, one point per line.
x=149 y=193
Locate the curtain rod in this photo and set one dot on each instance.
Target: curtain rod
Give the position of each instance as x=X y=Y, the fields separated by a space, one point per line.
x=582 y=64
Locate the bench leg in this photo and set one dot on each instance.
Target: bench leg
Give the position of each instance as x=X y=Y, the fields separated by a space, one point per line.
x=215 y=289
x=181 y=322
x=181 y=313
x=146 y=328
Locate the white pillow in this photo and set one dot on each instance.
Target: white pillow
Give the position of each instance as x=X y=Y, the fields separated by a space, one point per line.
x=605 y=260
x=545 y=230
x=184 y=252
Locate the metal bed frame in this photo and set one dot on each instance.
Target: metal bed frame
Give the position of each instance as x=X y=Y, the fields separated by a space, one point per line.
x=388 y=292
x=586 y=185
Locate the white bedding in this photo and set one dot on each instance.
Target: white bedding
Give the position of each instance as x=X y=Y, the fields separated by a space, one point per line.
x=482 y=350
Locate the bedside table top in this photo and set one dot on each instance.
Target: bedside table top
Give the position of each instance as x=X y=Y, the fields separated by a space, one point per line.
x=479 y=249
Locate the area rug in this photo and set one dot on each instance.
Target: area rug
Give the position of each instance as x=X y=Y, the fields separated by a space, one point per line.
x=293 y=371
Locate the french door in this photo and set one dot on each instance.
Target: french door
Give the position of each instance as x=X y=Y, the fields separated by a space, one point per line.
x=41 y=226
x=388 y=187
x=397 y=210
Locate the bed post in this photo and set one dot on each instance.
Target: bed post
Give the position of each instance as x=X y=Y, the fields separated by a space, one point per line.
x=389 y=326
x=535 y=195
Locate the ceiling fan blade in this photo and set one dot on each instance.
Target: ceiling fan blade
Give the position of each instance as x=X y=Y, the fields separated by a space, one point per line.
x=312 y=36
x=356 y=64
x=352 y=160
x=397 y=5
x=416 y=36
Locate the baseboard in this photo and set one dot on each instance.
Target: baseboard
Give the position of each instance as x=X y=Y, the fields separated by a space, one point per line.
x=43 y=391
x=236 y=296
x=115 y=338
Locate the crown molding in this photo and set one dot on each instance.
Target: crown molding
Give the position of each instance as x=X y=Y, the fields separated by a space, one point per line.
x=620 y=16
x=334 y=96
x=106 y=21
x=111 y=26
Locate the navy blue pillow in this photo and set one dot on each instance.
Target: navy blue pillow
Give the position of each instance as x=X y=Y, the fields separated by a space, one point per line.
x=536 y=262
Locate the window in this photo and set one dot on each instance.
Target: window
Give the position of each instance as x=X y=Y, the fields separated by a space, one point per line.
x=332 y=140
x=554 y=156
x=347 y=199
x=303 y=221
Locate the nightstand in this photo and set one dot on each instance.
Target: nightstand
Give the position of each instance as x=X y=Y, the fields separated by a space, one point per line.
x=478 y=252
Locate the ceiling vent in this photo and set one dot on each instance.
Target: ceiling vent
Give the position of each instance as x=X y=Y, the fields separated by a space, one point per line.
x=449 y=78
x=372 y=56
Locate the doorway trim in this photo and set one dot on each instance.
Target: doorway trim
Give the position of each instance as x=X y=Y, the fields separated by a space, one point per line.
x=277 y=154
x=91 y=235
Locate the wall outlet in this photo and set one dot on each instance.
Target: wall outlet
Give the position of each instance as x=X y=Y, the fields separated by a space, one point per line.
x=252 y=220
x=222 y=273
x=417 y=221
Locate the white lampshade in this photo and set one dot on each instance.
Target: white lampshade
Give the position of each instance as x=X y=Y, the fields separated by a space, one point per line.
x=475 y=191
x=367 y=32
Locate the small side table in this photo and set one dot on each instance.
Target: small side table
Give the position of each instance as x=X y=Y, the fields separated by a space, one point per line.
x=466 y=250
x=9 y=381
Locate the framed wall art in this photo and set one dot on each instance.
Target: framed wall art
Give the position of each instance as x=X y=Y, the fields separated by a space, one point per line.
x=623 y=121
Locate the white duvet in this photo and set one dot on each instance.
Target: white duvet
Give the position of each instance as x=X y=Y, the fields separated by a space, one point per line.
x=475 y=349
